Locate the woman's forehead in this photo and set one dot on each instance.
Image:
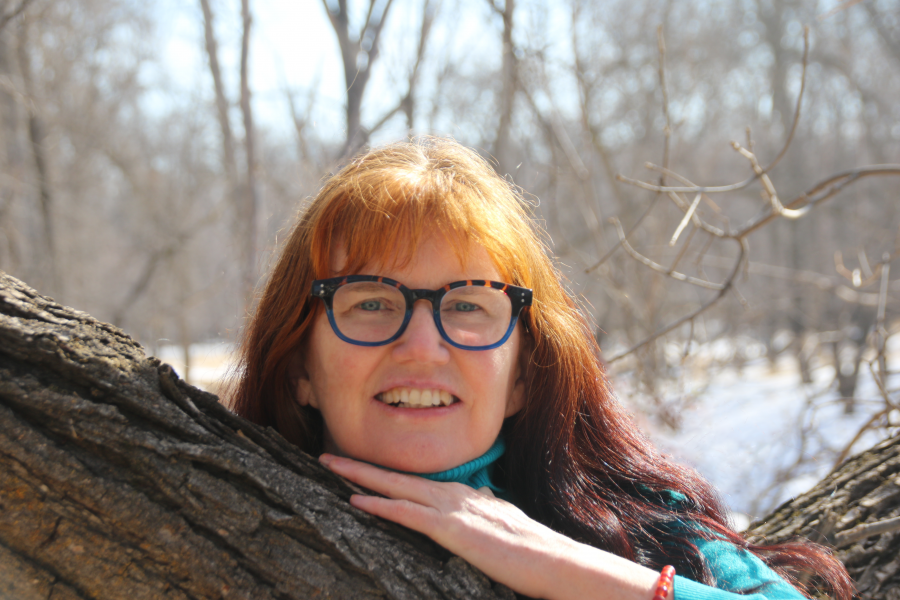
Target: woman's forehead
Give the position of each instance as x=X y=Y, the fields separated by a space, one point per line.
x=431 y=249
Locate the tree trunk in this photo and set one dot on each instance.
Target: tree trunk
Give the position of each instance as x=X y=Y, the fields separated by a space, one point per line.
x=37 y=136
x=856 y=511
x=503 y=144
x=249 y=202
x=119 y=480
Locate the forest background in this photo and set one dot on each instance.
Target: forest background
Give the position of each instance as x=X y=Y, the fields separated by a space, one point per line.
x=151 y=155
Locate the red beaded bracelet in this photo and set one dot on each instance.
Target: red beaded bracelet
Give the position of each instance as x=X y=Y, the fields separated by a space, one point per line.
x=665 y=583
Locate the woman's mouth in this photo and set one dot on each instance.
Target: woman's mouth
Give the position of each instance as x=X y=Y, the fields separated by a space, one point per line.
x=404 y=397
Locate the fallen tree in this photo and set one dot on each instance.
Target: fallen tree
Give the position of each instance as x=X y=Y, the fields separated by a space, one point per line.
x=119 y=480
x=856 y=511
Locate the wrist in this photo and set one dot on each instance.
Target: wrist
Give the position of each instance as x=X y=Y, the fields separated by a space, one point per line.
x=665 y=585
x=579 y=571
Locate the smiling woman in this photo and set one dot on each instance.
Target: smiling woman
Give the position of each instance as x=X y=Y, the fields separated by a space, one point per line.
x=353 y=385
x=415 y=323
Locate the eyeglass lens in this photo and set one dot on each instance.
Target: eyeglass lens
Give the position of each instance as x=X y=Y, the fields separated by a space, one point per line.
x=369 y=311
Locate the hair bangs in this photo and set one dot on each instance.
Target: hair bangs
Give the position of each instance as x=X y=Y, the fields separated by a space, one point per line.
x=382 y=222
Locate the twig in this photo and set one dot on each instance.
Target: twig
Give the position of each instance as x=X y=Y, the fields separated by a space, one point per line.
x=706 y=189
x=816 y=194
x=687 y=345
x=637 y=224
x=790 y=136
x=880 y=382
x=864 y=264
x=658 y=267
x=667 y=131
x=838 y=8
x=742 y=184
x=684 y=221
x=822 y=282
x=822 y=191
x=880 y=331
x=777 y=208
x=866 y=426
x=689 y=317
x=684 y=248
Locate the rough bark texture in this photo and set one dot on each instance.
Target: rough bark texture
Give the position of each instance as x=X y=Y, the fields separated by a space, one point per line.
x=856 y=511
x=118 y=480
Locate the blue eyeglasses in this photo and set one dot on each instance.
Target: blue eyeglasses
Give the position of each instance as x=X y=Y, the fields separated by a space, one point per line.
x=368 y=310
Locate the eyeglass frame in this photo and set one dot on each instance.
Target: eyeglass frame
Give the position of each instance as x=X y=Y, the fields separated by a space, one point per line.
x=519 y=298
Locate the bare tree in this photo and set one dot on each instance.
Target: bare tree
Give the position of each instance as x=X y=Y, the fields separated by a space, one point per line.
x=248 y=201
x=37 y=138
x=229 y=163
x=508 y=68
x=359 y=52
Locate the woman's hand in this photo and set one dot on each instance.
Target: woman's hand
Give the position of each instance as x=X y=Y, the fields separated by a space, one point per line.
x=494 y=535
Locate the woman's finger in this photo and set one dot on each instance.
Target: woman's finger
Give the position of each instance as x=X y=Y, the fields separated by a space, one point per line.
x=388 y=483
x=405 y=512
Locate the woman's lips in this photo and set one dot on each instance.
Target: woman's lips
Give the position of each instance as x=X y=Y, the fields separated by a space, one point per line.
x=407 y=397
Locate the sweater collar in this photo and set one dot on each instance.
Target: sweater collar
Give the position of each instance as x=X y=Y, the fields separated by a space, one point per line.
x=476 y=473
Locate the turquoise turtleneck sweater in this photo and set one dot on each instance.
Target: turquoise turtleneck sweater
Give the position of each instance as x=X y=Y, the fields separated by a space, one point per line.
x=734 y=569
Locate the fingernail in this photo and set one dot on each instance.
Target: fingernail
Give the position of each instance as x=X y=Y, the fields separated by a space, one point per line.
x=326 y=459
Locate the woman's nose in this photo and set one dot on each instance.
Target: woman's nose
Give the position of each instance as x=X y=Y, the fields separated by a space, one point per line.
x=422 y=342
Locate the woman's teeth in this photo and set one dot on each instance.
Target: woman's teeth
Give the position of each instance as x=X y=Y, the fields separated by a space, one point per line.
x=415 y=398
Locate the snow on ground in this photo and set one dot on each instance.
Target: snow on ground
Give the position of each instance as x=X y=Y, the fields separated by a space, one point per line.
x=762 y=437
x=743 y=430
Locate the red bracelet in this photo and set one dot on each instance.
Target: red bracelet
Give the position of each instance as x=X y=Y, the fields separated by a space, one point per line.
x=665 y=583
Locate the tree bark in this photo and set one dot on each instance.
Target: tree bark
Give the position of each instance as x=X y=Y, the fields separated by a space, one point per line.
x=856 y=511
x=119 y=480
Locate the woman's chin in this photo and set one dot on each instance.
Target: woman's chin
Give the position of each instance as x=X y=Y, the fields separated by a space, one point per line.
x=417 y=462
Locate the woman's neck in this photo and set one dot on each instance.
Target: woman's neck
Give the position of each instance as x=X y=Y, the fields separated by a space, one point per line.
x=476 y=473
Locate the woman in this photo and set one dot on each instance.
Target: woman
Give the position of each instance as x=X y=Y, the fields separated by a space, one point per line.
x=414 y=324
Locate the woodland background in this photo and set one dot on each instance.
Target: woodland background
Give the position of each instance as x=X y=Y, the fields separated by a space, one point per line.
x=157 y=206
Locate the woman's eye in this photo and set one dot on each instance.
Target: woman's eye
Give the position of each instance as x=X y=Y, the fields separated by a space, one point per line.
x=371 y=305
x=465 y=307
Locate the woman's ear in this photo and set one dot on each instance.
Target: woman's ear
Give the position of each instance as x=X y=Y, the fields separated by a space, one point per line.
x=299 y=378
x=517 y=397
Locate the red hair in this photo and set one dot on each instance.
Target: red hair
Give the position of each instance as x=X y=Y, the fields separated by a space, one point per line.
x=574 y=460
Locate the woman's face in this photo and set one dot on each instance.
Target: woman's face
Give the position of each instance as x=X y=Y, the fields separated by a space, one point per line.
x=345 y=382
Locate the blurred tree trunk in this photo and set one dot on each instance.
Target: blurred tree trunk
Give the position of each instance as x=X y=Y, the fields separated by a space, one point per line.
x=248 y=200
x=241 y=190
x=229 y=165
x=11 y=157
x=358 y=54
x=118 y=480
x=508 y=77
x=37 y=137
x=856 y=511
